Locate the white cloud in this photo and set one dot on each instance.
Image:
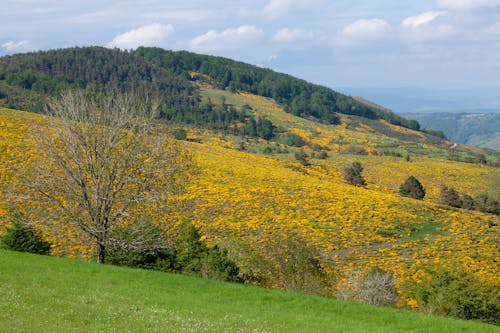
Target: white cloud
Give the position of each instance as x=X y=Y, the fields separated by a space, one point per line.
x=362 y=31
x=148 y=35
x=425 y=26
x=468 y=4
x=13 y=46
x=413 y=22
x=278 y=8
x=287 y=35
x=231 y=38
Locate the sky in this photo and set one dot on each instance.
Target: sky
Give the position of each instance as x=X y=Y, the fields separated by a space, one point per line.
x=436 y=54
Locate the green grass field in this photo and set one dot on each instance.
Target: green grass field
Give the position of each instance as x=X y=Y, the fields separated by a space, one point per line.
x=47 y=294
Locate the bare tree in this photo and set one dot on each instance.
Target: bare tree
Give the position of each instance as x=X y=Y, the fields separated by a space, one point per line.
x=352 y=174
x=104 y=165
x=377 y=287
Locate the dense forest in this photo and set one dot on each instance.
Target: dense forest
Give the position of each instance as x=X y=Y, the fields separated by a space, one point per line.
x=48 y=73
x=28 y=81
x=299 y=97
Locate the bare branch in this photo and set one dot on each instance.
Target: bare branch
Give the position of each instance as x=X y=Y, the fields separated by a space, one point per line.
x=103 y=162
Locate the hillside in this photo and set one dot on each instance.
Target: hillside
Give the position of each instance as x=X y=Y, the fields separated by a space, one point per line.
x=297 y=96
x=253 y=194
x=42 y=75
x=270 y=181
x=474 y=129
x=42 y=294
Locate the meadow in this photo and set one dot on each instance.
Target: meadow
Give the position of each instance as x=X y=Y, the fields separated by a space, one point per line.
x=47 y=294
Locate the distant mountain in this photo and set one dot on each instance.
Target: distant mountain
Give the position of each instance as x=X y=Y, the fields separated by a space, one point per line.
x=431 y=100
x=474 y=129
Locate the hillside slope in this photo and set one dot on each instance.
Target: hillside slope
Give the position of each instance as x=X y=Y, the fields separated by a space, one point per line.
x=44 y=74
x=250 y=202
x=271 y=177
x=43 y=294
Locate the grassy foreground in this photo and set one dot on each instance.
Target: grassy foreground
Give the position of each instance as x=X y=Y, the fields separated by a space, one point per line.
x=47 y=294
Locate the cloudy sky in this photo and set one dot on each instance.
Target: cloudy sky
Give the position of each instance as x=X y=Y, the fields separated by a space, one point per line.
x=354 y=46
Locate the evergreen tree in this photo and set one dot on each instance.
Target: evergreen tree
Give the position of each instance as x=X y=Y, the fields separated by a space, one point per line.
x=412 y=188
x=20 y=236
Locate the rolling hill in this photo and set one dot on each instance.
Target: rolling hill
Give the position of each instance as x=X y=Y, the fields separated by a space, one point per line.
x=271 y=171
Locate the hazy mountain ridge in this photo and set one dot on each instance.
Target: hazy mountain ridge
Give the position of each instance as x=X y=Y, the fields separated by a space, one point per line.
x=475 y=129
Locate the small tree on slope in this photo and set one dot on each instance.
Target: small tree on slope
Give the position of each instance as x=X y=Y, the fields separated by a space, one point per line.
x=412 y=188
x=352 y=174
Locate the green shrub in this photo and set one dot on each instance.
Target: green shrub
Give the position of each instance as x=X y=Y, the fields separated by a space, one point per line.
x=163 y=260
x=291 y=139
x=412 y=188
x=267 y=150
x=180 y=134
x=322 y=155
x=454 y=292
x=20 y=236
x=191 y=256
x=195 y=258
x=487 y=204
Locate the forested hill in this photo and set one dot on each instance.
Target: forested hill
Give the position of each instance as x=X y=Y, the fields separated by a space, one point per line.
x=299 y=97
x=42 y=75
x=28 y=81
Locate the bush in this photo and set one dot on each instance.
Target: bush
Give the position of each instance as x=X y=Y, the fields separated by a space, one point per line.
x=484 y=202
x=267 y=150
x=180 y=134
x=487 y=204
x=20 y=236
x=454 y=292
x=322 y=155
x=195 y=258
x=291 y=139
x=412 y=188
x=356 y=150
x=352 y=174
x=191 y=257
x=163 y=260
x=301 y=157
x=449 y=196
x=377 y=287
x=290 y=263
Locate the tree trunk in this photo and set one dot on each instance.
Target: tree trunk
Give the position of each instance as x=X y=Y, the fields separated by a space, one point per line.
x=100 y=253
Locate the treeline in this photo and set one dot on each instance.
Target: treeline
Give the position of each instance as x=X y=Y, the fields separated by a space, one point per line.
x=297 y=96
